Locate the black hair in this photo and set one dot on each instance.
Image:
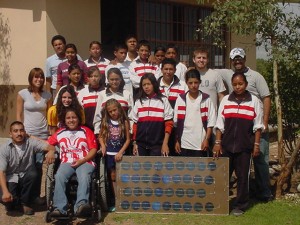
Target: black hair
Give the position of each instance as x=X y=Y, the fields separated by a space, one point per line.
x=239 y=74
x=159 y=48
x=129 y=36
x=168 y=61
x=15 y=123
x=144 y=43
x=141 y=94
x=192 y=73
x=174 y=47
x=58 y=37
x=119 y=46
x=91 y=70
x=75 y=66
x=69 y=109
x=70 y=45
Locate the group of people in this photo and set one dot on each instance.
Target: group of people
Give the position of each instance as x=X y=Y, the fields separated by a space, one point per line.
x=153 y=102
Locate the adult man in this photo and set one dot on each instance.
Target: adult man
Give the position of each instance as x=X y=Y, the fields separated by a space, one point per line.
x=18 y=174
x=257 y=86
x=211 y=81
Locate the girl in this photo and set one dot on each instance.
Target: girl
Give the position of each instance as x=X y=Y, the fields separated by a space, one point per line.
x=114 y=138
x=62 y=69
x=194 y=118
x=115 y=89
x=238 y=130
x=152 y=117
x=88 y=96
x=66 y=99
x=159 y=54
x=78 y=147
x=95 y=58
x=32 y=105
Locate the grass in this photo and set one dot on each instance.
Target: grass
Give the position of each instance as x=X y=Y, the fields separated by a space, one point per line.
x=279 y=212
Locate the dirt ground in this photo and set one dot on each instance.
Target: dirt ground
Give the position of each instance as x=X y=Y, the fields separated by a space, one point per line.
x=16 y=218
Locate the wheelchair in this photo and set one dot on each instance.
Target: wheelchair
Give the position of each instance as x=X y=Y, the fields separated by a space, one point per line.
x=98 y=191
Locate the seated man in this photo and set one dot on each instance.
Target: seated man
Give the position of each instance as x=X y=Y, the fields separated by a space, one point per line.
x=17 y=168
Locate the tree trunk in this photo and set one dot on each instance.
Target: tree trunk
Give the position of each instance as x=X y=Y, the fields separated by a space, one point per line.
x=286 y=171
x=281 y=155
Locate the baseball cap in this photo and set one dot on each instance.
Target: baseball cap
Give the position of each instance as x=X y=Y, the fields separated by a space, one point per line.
x=237 y=52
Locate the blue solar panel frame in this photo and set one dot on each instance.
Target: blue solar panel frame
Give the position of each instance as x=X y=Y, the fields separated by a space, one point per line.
x=173 y=185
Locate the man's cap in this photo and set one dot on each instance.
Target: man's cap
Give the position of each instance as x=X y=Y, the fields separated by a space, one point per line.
x=237 y=52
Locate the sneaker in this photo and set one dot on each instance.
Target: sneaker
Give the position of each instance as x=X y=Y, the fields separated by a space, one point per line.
x=84 y=210
x=112 y=209
x=237 y=212
x=27 y=210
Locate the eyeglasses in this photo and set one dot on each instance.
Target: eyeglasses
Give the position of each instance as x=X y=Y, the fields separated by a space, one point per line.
x=238 y=59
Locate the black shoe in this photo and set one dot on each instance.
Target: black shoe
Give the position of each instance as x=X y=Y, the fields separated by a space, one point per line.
x=266 y=199
x=39 y=201
x=84 y=210
x=57 y=213
x=9 y=207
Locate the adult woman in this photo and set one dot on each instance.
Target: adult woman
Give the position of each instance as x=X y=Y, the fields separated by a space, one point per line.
x=32 y=104
x=78 y=147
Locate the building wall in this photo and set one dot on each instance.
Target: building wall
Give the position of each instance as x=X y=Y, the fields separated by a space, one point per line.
x=29 y=27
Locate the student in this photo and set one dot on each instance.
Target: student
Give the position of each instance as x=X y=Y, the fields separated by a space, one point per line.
x=211 y=81
x=62 y=70
x=173 y=53
x=18 y=173
x=88 y=96
x=238 y=130
x=131 y=43
x=140 y=66
x=78 y=148
x=32 y=105
x=114 y=139
x=194 y=118
x=152 y=117
x=115 y=89
x=66 y=99
x=120 y=63
x=159 y=54
x=171 y=87
x=95 y=58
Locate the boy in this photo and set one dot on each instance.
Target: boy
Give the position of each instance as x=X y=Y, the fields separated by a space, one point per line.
x=172 y=53
x=140 y=66
x=120 y=53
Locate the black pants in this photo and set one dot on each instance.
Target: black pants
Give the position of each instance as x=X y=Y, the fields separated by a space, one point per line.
x=240 y=163
x=154 y=151
x=22 y=192
x=193 y=153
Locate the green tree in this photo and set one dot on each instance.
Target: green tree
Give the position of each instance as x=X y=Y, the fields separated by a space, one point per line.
x=279 y=33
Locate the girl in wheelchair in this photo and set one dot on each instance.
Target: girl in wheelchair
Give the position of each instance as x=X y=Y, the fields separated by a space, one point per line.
x=78 y=148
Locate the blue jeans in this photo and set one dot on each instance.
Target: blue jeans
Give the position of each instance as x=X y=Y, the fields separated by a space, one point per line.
x=261 y=168
x=64 y=172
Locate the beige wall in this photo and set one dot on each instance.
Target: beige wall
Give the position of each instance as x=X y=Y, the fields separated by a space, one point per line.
x=31 y=25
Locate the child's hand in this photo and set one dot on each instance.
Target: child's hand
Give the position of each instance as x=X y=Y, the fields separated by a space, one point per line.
x=217 y=150
x=204 y=145
x=177 y=147
x=165 y=150
x=135 y=149
x=118 y=157
x=103 y=150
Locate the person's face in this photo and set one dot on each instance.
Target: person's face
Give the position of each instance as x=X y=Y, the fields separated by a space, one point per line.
x=66 y=99
x=17 y=134
x=71 y=120
x=159 y=56
x=94 y=79
x=147 y=87
x=70 y=54
x=113 y=111
x=193 y=85
x=131 y=44
x=121 y=54
x=143 y=52
x=95 y=51
x=238 y=63
x=114 y=81
x=239 y=85
x=200 y=60
x=168 y=71
x=171 y=53
x=59 y=47
x=38 y=81
x=75 y=76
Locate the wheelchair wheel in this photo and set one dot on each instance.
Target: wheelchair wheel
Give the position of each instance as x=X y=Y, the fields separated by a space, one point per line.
x=103 y=185
x=49 y=184
x=48 y=218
